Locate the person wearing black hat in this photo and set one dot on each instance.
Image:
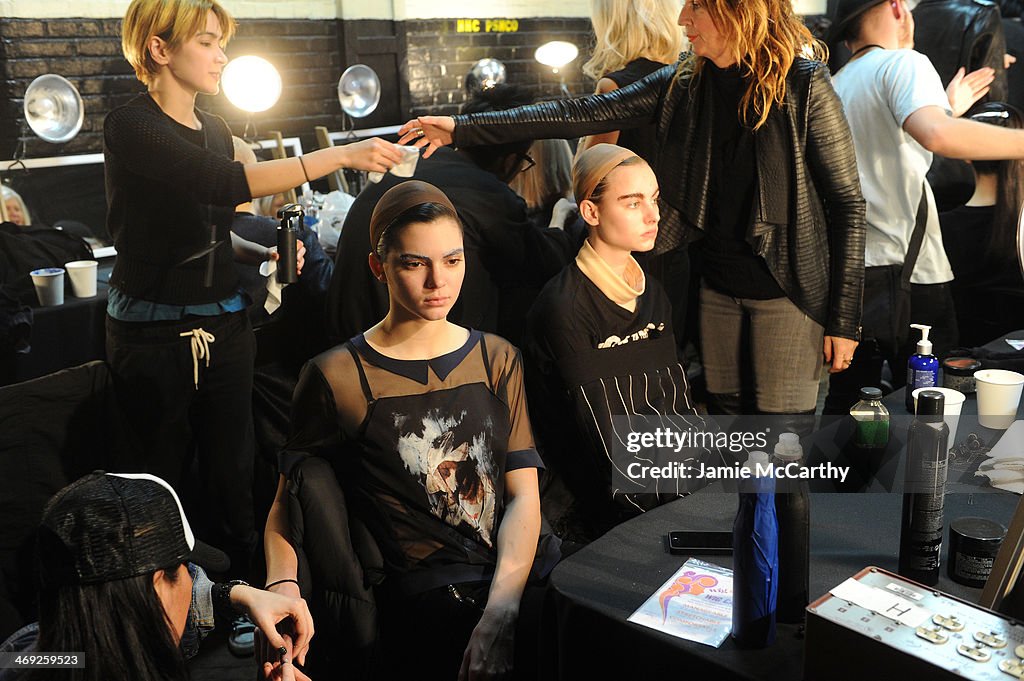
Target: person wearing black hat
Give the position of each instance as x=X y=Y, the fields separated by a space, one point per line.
x=120 y=587
x=900 y=116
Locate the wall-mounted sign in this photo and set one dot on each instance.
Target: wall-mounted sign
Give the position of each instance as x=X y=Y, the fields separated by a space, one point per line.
x=486 y=25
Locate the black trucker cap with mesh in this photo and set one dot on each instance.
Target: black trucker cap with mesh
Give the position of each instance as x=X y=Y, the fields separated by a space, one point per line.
x=107 y=526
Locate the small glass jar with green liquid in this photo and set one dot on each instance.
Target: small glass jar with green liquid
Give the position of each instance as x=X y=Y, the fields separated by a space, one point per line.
x=872 y=420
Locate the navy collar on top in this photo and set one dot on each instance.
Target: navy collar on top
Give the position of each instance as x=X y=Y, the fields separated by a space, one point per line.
x=416 y=369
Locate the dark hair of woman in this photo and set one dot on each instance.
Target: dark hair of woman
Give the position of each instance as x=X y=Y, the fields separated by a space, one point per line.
x=491 y=157
x=424 y=212
x=1002 y=239
x=120 y=627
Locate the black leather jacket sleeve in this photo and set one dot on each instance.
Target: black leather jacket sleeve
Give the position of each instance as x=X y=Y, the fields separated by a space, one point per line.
x=818 y=142
x=832 y=162
x=628 y=107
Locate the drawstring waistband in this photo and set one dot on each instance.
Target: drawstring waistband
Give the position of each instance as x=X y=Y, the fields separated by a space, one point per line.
x=200 y=341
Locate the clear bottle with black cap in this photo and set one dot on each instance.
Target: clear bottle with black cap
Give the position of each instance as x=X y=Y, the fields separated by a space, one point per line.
x=872 y=420
x=923 y=523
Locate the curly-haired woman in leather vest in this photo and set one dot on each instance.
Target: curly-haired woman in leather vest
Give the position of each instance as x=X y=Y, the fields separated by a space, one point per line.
x=757 y=163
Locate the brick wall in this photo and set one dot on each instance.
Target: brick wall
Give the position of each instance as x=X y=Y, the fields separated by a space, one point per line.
x=310 y=54
x=439 y=57
x=85 y=51
x=88 y=53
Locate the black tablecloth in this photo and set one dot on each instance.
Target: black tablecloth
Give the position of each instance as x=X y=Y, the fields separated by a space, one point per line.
x=597 y=588
x=66 y=335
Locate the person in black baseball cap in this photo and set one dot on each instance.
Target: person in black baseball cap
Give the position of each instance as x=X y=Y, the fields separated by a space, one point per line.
x=120 y=587
x=105 y=527
x=847 y=14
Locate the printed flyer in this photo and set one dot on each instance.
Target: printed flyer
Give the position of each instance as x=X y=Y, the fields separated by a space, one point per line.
x=695 y=604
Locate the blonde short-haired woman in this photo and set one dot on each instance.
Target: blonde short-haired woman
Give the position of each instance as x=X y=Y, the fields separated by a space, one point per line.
x=178 y=339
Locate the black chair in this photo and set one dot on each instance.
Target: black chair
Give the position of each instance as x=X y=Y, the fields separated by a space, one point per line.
x=339 y=564
x=53 y=430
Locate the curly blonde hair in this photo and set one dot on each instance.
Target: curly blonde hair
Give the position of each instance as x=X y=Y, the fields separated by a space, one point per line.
x=766 y=37
x=176 y=21
x=630 y=29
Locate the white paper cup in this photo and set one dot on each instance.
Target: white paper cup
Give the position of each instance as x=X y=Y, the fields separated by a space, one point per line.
x=998 y=397
x=83 y=277
x=49 y=283
x=953 y=404
x=405 y=168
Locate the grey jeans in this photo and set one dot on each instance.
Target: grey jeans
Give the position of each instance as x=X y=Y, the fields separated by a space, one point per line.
x=783 y=344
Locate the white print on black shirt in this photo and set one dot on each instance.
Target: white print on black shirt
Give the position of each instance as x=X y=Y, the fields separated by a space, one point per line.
x=642 y=334
x=458 y=477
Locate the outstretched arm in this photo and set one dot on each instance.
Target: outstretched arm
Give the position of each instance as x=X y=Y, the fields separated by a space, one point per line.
x=271 y=177
x=628 y=107
x=959 y=138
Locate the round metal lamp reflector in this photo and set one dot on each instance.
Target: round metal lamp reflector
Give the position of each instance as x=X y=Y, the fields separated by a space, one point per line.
x=53 y=108
x=359 y=91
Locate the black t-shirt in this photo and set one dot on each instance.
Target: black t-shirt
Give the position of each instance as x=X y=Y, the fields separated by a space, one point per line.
x=589 y=360
x=643 y=140
x=729 y=264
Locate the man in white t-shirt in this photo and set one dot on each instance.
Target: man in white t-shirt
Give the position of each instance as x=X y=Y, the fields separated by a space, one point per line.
x=900 y=115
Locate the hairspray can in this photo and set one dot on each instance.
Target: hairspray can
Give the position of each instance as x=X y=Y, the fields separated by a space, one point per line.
x=288 y=243
x=924 y=495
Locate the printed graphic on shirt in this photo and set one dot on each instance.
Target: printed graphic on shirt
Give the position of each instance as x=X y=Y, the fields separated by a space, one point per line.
x=642 y=334
x=452 y=458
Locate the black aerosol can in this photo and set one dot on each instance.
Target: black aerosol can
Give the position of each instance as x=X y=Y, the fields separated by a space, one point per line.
x=924 y=494
x=288 y=243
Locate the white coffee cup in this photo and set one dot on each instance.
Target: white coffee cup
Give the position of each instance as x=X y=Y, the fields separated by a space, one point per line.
x=49 y=283
x=83 y=277
x=953 y=404
x=998 y=397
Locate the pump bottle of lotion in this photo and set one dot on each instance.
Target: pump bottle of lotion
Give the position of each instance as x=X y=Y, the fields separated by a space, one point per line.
x=922 y=367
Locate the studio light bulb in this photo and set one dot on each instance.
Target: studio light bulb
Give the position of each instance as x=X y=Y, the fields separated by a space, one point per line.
x=251 y=83
x=556 y=53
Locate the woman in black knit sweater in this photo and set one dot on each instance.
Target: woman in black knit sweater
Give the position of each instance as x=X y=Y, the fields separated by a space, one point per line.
x=178 y=340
